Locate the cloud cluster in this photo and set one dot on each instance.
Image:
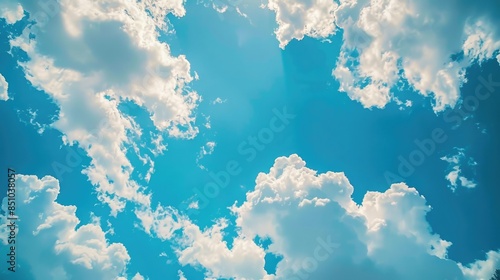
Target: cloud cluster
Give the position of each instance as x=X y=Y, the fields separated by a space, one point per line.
x=368 y=237
x=455 y=176
x=483 y=269
x=11 y=11
x=90 y=57
x=389 y=44
x=206 y=248
x=387 y=236
x=296 y=19
x=51 y=244
x=205 y=150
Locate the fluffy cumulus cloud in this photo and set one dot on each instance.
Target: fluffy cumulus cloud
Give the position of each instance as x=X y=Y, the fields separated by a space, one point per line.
x=11 y=11
x=456 y=162
x=296 y=19
x=49 y=244
x=387 y=236
x=91 y=58
x=483 y=269
x=4 y=86
x=388 y=44
x=206 y=248
x=162 y=222
x=338 y=237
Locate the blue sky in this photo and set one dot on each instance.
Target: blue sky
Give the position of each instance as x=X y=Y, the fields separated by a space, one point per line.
x=232 y=140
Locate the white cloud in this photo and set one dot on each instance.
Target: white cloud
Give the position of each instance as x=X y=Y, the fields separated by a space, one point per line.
x=482 y=41
x=57 y=248
x=29 y=117
x=158 y=146
x=218 y=100
x=483 y=269
x=206 y=149
x=245 y=260
x=181 y=275
x=455 y=162
x=205 y=248
x=91 y=56
x=138 y=276
x=193 y=205
x=162 y=222
x=466 y=182
x=4 y=87
x=336 y=237
x=207 y=121
x=296 y=19
x=365 y=239
x=11 y=11
x=386 y=42
x=223 y=6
